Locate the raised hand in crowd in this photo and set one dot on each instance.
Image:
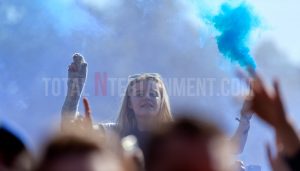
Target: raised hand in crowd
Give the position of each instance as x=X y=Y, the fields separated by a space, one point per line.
x=77 y=74
x=269 y=107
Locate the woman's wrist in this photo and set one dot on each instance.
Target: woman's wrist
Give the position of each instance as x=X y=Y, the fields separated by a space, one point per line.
x=244 y=119
x=244 y=123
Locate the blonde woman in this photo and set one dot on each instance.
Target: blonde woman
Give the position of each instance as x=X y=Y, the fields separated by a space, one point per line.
x=145 y=104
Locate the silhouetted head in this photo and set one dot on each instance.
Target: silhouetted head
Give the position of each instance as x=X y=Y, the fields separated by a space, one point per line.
x=74 y=153
x=13 y=152
x=187 y=145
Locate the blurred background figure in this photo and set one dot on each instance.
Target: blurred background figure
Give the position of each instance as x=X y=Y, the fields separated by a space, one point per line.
x=14 y=156
x=189 y=145
x=77 y=153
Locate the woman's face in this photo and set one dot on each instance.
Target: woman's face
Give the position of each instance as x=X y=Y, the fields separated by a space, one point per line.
x=145 y=98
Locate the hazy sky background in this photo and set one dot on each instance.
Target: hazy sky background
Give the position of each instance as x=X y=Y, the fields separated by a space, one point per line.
x=38 y=38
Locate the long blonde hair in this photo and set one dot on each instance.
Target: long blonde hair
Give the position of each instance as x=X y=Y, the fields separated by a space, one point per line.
x=126 y=119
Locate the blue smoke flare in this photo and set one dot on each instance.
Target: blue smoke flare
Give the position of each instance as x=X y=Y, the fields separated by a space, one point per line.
x=235 y=26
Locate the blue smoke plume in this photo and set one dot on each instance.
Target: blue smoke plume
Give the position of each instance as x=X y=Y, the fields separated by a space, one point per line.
x=235 y=25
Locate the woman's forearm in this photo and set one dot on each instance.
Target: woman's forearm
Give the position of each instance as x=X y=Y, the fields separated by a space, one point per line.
x=241 y=134
x=77 y=74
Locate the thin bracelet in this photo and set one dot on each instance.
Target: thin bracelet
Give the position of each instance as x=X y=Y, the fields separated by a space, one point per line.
x=239 y=120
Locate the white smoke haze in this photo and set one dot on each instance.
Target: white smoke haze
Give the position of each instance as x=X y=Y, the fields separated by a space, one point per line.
x=37 y=40
x=282 y=21
x=11 y=14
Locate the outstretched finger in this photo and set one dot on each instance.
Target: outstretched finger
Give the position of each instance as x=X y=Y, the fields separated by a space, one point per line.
x=277 y=96
x=87 y=112
x=277 y=89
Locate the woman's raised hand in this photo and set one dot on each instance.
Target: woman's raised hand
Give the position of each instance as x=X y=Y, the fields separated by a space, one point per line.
x=77 y=73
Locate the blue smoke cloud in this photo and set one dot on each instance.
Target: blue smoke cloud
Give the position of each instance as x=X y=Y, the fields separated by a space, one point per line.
x=235 y=25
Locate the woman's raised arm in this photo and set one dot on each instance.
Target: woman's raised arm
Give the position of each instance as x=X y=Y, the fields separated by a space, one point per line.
x=77 y=74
